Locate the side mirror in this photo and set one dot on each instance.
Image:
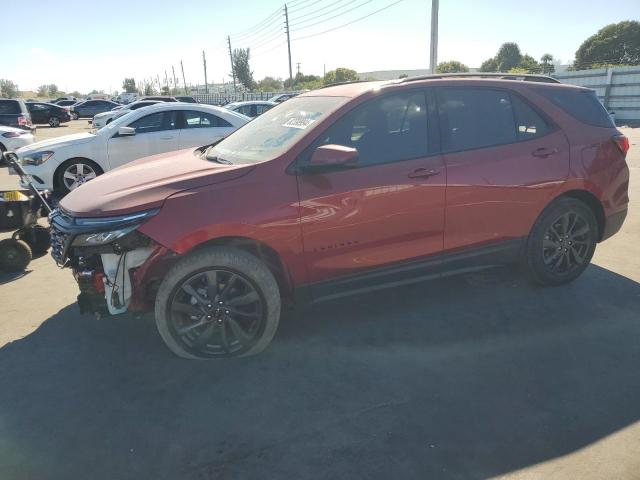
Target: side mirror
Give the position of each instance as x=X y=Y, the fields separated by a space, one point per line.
x=332 y=157
x=126 y=131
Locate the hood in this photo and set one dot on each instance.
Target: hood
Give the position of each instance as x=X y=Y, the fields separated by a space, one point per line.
x=59 y=142
x=146 y=183
x=105 y=114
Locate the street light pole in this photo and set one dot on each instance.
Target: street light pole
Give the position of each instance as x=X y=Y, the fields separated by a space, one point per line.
x=433 y=57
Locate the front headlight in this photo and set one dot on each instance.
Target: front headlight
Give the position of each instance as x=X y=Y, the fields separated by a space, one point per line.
x=108 y=229
x=101 y=238
x=36 y=158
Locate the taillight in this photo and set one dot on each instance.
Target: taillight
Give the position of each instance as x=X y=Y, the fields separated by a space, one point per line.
x=22 y=120
x=621 y=142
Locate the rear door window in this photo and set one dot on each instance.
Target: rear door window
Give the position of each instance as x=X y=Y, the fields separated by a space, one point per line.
x=529 y=123
x=475 y=118
x=9 y=107
x=195 y=119
x=155 y=122
x=583 y=105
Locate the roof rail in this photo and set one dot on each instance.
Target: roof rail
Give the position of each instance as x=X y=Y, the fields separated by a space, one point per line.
x=529 y=77
x=343 y=83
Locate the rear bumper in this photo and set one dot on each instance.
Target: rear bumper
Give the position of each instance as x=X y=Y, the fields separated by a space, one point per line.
x=613 y=223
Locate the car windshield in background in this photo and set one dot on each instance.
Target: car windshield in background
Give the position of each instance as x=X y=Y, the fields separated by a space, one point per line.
x=274 y=132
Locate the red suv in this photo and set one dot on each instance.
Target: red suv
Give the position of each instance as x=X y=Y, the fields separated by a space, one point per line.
x=342 y=190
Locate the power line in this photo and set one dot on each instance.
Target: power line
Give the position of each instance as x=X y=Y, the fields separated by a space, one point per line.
x=318 y=10
x=335 y=16
x=261 y=38
x=252 y=29
x=306 y=6
x=349 y=23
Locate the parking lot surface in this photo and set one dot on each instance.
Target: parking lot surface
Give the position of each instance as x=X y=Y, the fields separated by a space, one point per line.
x=478 y=376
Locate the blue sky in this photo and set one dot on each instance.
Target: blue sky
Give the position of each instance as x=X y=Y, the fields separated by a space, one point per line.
x=97 y=45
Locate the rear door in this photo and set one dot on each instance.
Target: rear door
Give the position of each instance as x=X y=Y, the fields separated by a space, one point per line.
x=39 y=112
x=155 y=133
x=387 y=211
x=504 y=160
x=200 y=128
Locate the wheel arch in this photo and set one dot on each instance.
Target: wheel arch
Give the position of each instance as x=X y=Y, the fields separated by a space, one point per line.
x=589 y=199
x=267 y=254
x=56 y=173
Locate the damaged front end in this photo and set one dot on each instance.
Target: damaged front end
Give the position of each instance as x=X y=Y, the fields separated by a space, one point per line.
x=105 y=254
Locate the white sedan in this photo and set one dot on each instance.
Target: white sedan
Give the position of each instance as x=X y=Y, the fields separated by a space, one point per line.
x=14 y=138
x=64 y=163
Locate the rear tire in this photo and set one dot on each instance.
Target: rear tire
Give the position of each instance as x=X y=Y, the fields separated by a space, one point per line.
x=561 y=243
x=54 y=122
x=15 y=255
x=218 y=302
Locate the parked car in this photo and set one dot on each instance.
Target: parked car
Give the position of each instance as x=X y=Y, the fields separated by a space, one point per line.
x=186 y=99
x=14 y=113
x=64 y=99
x=343 y=190
x=12 y=139
x=65 y=103
x=64 y=163
x=105 y=118
x=252 y=108
x=126 y=98
x=281 y=97
x=48 y=113
x=160 y=98
x=90 y=108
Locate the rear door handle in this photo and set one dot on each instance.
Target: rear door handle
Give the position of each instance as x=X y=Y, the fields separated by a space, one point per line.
x=424 y=173
x=544 y=152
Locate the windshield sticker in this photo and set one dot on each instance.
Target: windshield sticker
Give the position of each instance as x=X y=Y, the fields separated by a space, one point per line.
x=298 y=122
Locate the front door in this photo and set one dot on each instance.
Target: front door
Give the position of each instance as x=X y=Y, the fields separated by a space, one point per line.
x=155 y=133
x=388 y=211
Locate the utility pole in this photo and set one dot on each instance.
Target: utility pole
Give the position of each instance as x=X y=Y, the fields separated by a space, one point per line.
x=175 y=81
x=286 y=20
x=298 y=66
x=166 y=79
x=433 y=57
x=183 y=79
x=159 y=86
x=204 y=63
x=233 y=70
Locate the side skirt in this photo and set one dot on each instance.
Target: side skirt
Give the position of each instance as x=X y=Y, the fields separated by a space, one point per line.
x=436 y=266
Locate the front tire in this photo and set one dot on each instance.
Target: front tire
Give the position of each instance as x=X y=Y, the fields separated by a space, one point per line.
x=218 y=302
x=561 y=243
x=74 y=173
x=54 y=122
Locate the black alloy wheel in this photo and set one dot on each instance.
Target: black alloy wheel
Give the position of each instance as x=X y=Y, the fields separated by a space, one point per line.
x=566 y=243
x=217 y=313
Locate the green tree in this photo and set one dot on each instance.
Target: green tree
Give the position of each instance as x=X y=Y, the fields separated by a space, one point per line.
x=76 y=94
x=546 y=64
x=43 y=91
x=508 y=56
x=528 y=63
x=53 y=90
x=490 y=65
x=8 y=89
x=241 y=67
x=615 y=44
x=452 y=66
x=165 y=90
x=269 y=84
x=129 y=85
x=148 y=89
x=340 y=75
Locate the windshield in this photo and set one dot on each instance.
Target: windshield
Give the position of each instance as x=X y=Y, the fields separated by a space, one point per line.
x=273 y=132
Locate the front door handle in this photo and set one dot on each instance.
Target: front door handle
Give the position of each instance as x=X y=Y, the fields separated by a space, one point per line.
x=424 y=173
x=544 y=152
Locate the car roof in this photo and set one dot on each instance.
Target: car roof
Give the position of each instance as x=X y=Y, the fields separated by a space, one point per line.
x=251 y=102
x=354 y=89
x=160 y=106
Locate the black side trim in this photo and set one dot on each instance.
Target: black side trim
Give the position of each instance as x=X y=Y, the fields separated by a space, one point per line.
x=436 y=266
x=613 y=224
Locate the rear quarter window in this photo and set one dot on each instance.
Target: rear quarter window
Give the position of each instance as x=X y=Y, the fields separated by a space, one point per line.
x=583 y=105
x=9 y=107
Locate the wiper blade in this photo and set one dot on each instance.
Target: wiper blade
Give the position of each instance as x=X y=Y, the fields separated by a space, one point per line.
x=219 y=160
